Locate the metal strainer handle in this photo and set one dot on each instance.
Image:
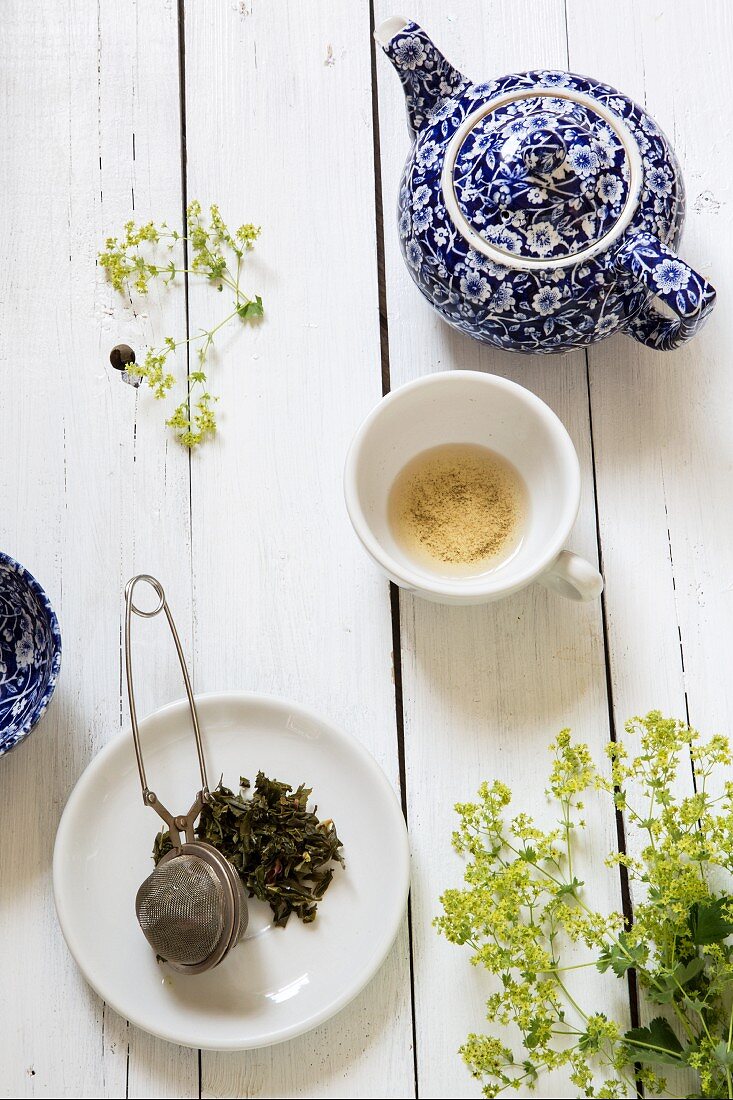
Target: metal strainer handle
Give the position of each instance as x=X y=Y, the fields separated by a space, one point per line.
x=182 y=822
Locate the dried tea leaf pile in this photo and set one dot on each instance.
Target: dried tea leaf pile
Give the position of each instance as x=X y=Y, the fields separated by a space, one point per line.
x=282 y=852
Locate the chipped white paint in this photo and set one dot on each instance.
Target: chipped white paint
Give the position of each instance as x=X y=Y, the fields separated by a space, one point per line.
x=253 y=538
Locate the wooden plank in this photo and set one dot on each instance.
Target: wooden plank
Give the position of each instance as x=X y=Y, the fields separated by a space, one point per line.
x=91 y=487
x=485 y=689
x=661 y=421
x=663 y=449
x=280 y=132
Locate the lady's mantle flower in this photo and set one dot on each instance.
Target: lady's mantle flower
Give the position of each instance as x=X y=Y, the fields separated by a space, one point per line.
x=487 y=1057
x=546 y=300
x=522 y=906
x=409 y=53
x=671 y=275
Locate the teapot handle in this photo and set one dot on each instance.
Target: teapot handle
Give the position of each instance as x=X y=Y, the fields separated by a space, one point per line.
x=688 y=295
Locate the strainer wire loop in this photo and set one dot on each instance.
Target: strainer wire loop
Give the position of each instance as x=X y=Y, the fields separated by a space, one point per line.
x=149 y=797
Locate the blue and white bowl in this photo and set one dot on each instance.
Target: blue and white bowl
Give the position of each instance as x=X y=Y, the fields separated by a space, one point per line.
x=30 y=652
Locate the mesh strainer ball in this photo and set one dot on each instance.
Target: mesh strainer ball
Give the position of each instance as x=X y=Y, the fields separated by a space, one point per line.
x=192 y=908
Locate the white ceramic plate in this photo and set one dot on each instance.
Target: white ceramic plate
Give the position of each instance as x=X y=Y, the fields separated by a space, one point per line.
x=278 y=982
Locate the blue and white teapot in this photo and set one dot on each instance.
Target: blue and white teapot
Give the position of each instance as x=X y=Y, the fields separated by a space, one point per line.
x=540 y=212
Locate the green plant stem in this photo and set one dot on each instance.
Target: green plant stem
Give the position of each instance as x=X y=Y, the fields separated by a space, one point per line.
x=682 y=1017
x=571 y=1000
x=562 y=969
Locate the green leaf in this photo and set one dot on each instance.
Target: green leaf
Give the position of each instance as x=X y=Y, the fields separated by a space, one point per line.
x=248 y=310
x=668 y=985
x=709 y=921
x=569 y=887
x=531 y=1071
x=532 y=1036
x=656 y=1043
x=685 y=972
x=622 y=956
x=722 y=1054
x=664 y=991
x=590 y=1041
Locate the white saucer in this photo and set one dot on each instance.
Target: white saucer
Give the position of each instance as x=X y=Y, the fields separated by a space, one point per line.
x=279 y=982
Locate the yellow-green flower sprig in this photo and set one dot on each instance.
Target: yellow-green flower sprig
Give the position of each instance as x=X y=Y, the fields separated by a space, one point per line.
x=135 y=259
x=521 y=905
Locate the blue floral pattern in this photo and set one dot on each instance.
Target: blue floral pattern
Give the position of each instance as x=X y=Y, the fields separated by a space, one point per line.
x=542 y=173
x=540 y=177
x=683 y=290
x=30 y=652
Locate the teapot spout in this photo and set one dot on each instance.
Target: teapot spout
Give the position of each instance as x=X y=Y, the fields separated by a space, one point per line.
x=427 y=78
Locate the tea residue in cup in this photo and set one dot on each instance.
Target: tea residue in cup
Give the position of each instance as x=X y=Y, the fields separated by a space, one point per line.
x=458 y=509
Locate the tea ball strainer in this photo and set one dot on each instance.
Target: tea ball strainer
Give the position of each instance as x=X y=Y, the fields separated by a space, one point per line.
x=192 y=908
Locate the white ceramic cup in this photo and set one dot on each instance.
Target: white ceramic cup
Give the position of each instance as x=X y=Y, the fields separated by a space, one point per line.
x=471 y=407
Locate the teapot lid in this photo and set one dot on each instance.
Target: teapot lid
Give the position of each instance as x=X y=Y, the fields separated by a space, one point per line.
x=541 y=177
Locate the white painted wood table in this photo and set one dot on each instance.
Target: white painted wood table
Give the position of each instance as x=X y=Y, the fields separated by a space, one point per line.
x=282 y=113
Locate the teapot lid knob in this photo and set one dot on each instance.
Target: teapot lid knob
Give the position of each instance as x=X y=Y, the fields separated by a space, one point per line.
x=544 y=151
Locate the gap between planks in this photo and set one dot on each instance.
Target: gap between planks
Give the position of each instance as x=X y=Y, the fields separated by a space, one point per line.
x=626 y=902
x=394 y=596
x=181 y=62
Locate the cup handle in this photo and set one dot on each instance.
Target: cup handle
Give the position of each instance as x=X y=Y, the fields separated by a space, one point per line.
x=573 y=577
